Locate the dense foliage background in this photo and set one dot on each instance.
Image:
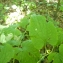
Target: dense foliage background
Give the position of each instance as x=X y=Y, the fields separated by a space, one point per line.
x=31 y=31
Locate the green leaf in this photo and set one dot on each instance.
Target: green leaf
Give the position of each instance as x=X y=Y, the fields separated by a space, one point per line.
x=54 y=58
x=37 y=30
x=52 y=34
x=61 y=49
x=14 y=42
x=57 y=58
x=1 y=6
x=11 y=29
x=1 y=27
x=9 y=37
x=28 y=54
x=61 y=7
x=2 y=38
x=60 y=35
x=61 y=52
x=24 y=22
x=32 y=5
x=51 y=56
x=6 y=53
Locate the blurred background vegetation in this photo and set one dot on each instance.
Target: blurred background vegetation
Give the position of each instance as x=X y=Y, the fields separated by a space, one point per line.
x=12 y=11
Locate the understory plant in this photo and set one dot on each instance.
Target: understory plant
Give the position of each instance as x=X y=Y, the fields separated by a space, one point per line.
x=32 y=40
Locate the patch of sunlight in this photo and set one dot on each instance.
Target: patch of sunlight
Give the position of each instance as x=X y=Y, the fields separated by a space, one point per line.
x=28 y=12
x=15 y=16
x=52 y=1
x=9 y=37
x=2 y=38
x=14 y=6
x=2 y=27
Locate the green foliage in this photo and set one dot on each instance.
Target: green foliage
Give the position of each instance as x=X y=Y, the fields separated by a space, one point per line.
x=41 y=31
x=11 y=29
x=14 y=43
x=1 y=6
x=61 y=7
x=36 y=38
x=24 y=22
x=56 y=57
x=37 y=30
x=52 y=34
x=6 y=53
x=28 y=52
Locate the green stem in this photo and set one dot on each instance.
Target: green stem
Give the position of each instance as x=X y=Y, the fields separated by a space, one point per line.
x=42 y=58
x=13 y=60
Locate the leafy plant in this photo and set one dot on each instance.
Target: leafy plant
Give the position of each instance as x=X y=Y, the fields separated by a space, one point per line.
x=44 y=42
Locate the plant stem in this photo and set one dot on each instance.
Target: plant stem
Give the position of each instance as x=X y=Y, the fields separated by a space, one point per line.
x=13 y=60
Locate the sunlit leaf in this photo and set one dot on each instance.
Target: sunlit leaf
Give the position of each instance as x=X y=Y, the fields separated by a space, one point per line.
x=2 y=38
x=6 y=54
x=52 y=34
x=28 y=54
x=37 y=30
